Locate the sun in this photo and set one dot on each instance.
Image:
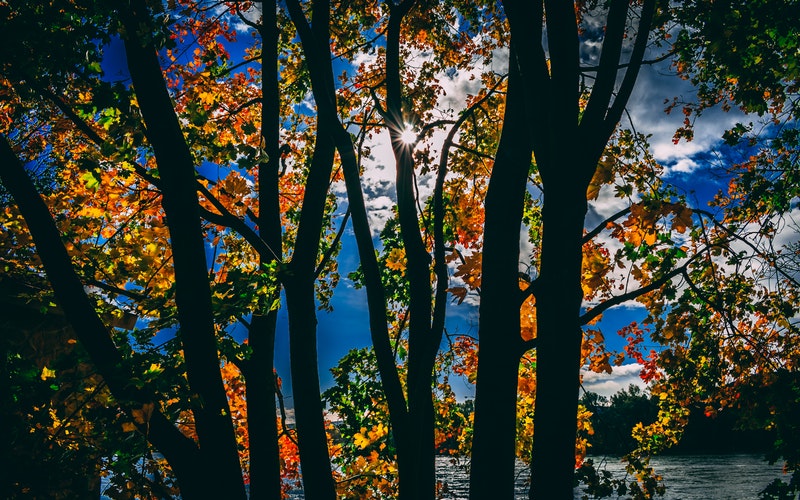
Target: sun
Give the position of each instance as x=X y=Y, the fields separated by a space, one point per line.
x=408 y=136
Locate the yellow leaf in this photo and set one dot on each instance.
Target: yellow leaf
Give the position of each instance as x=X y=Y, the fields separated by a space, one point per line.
x=360 y=440
x=396 y=260
x=128 y=427
x=154 y=368
x=602 y=175
x=206 y=98
x=47 y=373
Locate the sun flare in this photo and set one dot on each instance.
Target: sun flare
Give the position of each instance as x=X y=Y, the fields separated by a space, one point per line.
x=408 y=136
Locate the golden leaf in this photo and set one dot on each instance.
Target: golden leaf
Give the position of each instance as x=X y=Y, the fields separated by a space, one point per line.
x=47 y=373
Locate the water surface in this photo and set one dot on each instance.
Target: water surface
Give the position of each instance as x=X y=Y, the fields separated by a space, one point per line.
x=687 y=477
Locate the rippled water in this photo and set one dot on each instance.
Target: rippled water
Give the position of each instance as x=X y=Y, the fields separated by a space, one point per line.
x=691 y=477
x=688 y=477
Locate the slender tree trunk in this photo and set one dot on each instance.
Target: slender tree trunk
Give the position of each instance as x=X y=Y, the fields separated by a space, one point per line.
x=558 y=340
x=308 y=410
x=315 y=45
x=298 y=282
x=192 y=288
x=376 y=304
x=423 y=342
x=262 y=424
x=500 y=344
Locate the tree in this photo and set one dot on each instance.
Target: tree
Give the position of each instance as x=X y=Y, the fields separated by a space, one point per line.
x=561 y=110
x=139 y=181
x=180 y=203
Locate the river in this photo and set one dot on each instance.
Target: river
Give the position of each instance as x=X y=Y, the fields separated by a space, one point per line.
x=687 y=477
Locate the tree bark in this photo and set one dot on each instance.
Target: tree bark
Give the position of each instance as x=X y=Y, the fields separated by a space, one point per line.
x=262 y=423
x=298 y=281
x=556 y=126
x=500 y=344
x=423 y=341
x=376 y=305
x=192 y=288
x=558 y=342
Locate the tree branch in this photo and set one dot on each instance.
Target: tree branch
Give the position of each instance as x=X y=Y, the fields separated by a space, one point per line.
x=332 y=247
x=619 y=299
x=597 y=230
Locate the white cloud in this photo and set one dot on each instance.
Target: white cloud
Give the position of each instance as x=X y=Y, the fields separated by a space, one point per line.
x=658 y=85
x=607 y=384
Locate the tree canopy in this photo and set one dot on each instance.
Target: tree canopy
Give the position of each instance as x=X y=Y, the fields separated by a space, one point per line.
x=176 y=173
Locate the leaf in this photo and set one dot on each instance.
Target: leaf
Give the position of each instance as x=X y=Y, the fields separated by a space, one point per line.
x=603 y=174
x=682 y=219
x=142 y=415
x=90 y=181
x=360 y=439
x=207 y=98
x=459 y=292
x=47 y=373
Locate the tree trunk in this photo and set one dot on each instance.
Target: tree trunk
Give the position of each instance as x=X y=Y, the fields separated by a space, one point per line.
x=298 y=282
x=262 y=424
x=423 y=342
x=500 y=344
x=308 y=410
x=558 y=347
x=195 y=480
x=376 y=304
x=192 y=288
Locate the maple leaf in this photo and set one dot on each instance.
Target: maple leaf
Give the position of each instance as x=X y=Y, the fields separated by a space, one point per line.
x=459 y=292
x=603 y=174
x=361 y=439
x=47 y=373
x=396 y=260
x=682 y=219
x=142 y=415
x=470 y=270
x=206 y=98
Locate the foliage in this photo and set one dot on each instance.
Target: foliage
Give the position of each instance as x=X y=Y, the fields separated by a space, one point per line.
x=718 y=281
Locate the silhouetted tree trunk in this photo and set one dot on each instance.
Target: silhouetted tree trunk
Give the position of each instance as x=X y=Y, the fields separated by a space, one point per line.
x=300 y=276
x=500 y=344
x=194 y=476
x=567 y=146
x=262 y=424
x=299 y=281
x=192 y=289
x=423 y=338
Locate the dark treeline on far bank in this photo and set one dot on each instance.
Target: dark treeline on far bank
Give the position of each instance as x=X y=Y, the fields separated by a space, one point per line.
x=707 y=432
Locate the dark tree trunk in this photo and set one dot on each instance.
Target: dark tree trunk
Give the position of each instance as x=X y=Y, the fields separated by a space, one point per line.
x=556 y=129
x=308 y=410
x=192 y=289
x=298 y=282
x=423 y=342
x=558 y=343
x=195 y=480
x=262 y=424
x=376 y=303
x=321 y=74
x=500 y=344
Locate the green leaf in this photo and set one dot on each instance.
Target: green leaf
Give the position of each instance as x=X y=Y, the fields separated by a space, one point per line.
x=90 y=181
